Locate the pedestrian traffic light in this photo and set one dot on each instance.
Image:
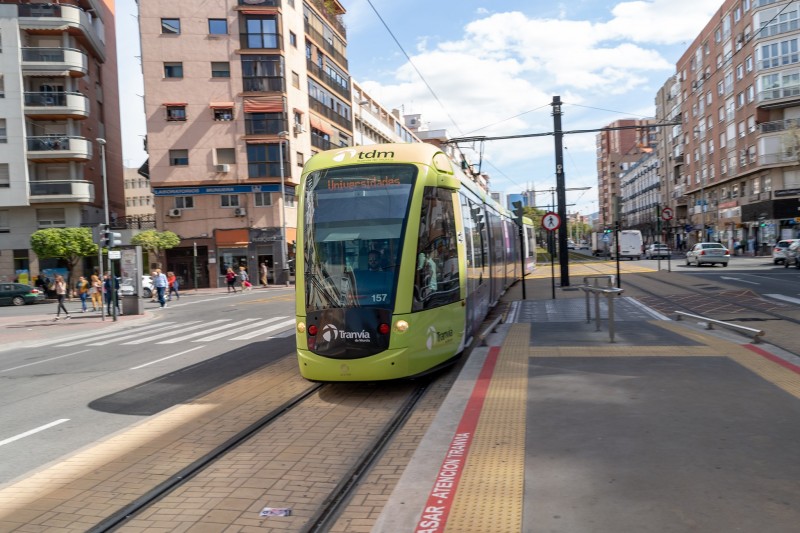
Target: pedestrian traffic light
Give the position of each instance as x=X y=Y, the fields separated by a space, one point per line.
x=607 y=230
x=111 y=239
x=519 y=211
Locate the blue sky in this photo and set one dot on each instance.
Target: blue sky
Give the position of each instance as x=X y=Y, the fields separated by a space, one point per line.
x=488 y=61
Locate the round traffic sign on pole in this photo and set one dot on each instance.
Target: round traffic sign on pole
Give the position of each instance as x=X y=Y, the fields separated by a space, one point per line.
x=666 y=213
x=551 y=221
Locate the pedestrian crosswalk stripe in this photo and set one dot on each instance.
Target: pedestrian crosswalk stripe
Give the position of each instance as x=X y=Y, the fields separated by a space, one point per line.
x=130 y=333
x=237 y=330
x=151 y=338
x=185 y=337
x=281 y=325
x=81 y=337
x=133 y=334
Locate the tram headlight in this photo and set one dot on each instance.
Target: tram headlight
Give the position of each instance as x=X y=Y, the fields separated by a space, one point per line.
x=301 y=327
x=401 y=326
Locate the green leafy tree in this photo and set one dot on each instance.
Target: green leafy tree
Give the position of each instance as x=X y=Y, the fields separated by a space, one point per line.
x=69 y=244
x=155 y=242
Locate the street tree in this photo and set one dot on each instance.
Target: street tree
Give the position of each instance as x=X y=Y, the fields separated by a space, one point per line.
x=69 y=244
x=155 y=242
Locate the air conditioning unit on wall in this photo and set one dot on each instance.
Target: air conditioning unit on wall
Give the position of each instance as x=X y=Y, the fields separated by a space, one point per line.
x=174 y=212
x=298 y=128
x=240 y=211
x=223 y=168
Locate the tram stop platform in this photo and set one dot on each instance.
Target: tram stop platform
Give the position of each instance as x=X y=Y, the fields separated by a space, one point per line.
x=553 y=428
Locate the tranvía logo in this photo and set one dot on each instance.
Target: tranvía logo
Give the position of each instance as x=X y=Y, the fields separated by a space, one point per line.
x=431 y=340
x=341 y=155
x=330 y=333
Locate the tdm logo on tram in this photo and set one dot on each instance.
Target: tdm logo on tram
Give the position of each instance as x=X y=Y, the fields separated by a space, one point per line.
x=374 y=154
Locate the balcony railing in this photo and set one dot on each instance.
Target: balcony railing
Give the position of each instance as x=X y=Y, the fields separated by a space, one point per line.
x=254 y=126
x=321 y=108
x=61 y=191
x=779 y=93
x=320 y=142
x=49 y=103
x=331 y=17
x=59 y=147
x=263 y=85
x=779 y=125
x=54 y=61
x=326 y=45
x=260 y=3
x=56 y=17
x=328 y=79
x=777 y=158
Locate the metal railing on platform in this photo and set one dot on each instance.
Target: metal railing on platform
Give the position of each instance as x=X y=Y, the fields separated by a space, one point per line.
x=592 y=285
x=710 y=322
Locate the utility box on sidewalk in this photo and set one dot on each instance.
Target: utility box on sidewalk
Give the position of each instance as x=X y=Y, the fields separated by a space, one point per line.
x=132 y=305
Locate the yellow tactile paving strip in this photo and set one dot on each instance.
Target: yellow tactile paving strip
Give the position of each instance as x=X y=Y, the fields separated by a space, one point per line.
x=490 y=497
x=543 y=270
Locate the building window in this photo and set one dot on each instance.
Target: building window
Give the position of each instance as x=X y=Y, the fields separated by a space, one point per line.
x=264 y=123
x=3 y=132
x=223 y=113
x=260 y=32
x=229 y=200
x=4 y=225
x=2 y=87
x=217 y=27
x=295 y=80
x=263 y=160
x=171 y=26
x=5 y=176
x=262 y=199
x=293 y=39
x=220 y=69
x=173 y=70
x=178 y=158
x=184 y=202
x=263 y=73
x=226 y=156
x=176 y=112
x=51 y=217
x=300 y=159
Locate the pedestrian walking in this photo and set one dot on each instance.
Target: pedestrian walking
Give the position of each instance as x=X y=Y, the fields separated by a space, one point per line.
x=82 y=287
x=160 y=284
x=60 y=287
x=96 y=292
x=244 y=279
x=264 y=272
x=172 y=283
x=230 y=278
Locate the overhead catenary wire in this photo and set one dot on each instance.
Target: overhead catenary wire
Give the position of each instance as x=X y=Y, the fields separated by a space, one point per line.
x=411 y=62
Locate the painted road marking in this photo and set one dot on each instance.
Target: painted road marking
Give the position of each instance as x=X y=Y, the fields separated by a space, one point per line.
x=33 y=431
x=784 y=298
x=165 y=358
x=42 y=361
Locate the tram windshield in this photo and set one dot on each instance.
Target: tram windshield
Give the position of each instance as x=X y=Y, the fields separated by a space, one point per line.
x=353 y=226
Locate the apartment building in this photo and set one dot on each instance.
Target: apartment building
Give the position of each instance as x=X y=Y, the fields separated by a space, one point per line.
x=374 y=124
x=238 y=95
x=739 y=86
x=58 y=96
x=619 y=145
x=139 y=202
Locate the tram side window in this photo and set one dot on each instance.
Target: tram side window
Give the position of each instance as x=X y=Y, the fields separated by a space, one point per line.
x=436 y=281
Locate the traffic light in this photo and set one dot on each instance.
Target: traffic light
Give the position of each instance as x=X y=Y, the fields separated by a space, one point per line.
x=607 y=230
x=519 y=211
x=111 y=239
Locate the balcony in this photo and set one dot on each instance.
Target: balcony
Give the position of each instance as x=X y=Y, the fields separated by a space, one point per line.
x=54 y=17
x=58 y=148
x=61 y=191
x=54 y=62
x=326 y=111
x=331 y=83
x=50 y=105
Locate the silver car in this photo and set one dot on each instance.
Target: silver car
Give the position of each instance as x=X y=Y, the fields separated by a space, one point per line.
x=792 y=255
x=779 y=250
x=708 y=252
x=657 y=250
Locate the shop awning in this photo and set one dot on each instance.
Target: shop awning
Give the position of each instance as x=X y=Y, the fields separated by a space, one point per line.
x=263 y=11
x=319 y=124
x=220 y=105
x=232 y=237
x=175 y=103
x=264 y=104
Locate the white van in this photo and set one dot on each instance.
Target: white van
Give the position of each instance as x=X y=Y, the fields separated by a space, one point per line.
x=630 y=244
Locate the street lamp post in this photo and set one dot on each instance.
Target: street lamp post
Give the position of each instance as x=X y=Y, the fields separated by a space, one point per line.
x=284 y=265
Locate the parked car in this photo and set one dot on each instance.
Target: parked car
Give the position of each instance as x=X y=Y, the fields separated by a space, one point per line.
x=126 y=287
x=708 y=252
x=792 y=255
x=19 y=294
x=779 y=250
x=657 y=250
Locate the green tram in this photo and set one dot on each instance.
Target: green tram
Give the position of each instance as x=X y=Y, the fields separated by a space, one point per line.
x=400 y=257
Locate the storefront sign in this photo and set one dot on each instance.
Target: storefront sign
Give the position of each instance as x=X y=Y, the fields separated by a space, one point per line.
x=221 y=189
x=788 y=192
